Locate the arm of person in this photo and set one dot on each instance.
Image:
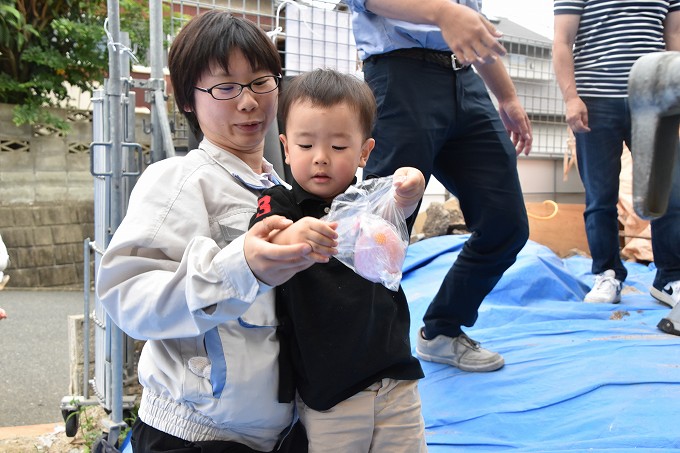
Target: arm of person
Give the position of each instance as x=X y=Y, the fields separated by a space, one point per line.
x=566 y=27
x=409 y=186
x=274 y=263
x=512 y=113
x=154 y=296
x=671 y=31
x=469 y=34
x=165 y=276
x=318 y=234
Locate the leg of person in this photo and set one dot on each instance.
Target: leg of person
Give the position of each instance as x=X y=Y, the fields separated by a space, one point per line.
x=479 y=166
x=413 y=115
x=417 y=110
x=147 y=439
x=599 y=162
x=346 y=427
x=399 y=425
x=666 y=247
x=295 y=441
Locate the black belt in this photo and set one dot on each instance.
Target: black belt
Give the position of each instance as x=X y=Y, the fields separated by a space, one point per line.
x=438 y=57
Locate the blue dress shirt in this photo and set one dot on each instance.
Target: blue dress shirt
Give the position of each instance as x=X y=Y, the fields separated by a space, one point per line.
x=376 y=34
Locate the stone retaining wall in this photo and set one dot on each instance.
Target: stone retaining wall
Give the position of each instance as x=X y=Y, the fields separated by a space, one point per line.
x=47 y=198
x=45 y=243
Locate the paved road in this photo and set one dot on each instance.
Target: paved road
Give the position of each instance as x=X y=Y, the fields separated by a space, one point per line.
x=34 y=369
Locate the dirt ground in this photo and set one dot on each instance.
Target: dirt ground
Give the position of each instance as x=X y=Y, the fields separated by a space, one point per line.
x=45 y=443
x=53 y=439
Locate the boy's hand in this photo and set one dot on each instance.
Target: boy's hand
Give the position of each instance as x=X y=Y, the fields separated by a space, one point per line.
x=409 y=184
x=271 y=263
x=319 y=234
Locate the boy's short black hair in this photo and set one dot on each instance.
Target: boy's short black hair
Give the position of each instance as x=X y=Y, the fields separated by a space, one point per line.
x=208 y=39
x=326 y=88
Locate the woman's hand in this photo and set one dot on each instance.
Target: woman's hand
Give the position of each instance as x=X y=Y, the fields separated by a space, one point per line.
x=272 y=263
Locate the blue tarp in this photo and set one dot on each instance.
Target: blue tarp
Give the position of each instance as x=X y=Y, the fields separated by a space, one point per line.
x=577 y=376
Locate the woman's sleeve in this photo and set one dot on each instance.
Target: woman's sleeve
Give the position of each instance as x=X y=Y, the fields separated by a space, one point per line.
x=163 y=276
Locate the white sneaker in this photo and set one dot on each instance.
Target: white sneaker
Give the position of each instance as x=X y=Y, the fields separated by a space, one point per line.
x=669 y=295
x=606 y=290
x=462 y=352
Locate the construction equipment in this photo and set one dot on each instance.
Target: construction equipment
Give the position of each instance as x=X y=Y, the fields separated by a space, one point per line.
x=654 y=99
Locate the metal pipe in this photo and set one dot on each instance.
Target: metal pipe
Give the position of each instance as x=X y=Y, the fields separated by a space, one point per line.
x=161 y=138
x=114 y=95
x=86 y=318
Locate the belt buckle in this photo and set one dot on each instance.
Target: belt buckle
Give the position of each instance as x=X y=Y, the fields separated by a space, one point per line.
x=455 y=64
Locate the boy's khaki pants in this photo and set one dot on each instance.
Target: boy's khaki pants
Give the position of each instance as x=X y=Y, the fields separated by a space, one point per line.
x=384 y=418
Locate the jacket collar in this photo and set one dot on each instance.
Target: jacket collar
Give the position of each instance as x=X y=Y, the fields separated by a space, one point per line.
x=240 y=170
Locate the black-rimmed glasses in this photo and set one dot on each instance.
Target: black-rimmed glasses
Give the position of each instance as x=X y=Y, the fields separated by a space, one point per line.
x=231 y=90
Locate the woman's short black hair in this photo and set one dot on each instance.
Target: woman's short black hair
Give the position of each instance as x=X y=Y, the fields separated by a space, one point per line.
x=209 y=39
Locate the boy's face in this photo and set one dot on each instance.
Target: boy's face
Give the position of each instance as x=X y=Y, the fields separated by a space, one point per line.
x=240 y=124
x=324 y=147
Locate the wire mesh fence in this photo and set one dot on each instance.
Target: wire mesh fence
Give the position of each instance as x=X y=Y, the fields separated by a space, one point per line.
x=319 y=34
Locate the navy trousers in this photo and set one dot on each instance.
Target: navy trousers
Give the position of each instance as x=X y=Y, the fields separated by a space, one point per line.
x=599 y=163
x=444 y=123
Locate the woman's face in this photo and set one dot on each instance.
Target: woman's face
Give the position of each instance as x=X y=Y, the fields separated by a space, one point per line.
x=237 y=125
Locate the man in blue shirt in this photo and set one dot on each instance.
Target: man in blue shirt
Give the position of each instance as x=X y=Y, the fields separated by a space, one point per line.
x=435 y=114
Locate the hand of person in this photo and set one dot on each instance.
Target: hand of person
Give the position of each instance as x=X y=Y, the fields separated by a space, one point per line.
x=271 y=263
x=471 y=37
x=409 y=186
x=517 y=124
x=319 y=234
x=577 y=115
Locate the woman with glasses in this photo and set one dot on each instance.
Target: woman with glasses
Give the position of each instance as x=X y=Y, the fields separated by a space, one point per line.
x=183 y=273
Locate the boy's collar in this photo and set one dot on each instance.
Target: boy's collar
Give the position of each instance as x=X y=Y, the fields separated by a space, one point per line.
x=302 y=195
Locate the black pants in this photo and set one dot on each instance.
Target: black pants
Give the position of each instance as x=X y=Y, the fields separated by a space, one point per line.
x=146 y=439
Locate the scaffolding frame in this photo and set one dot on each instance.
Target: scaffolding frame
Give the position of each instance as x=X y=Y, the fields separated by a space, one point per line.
x=116 y=161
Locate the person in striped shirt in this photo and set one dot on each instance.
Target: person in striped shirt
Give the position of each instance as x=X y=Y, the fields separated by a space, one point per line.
x=595 y=45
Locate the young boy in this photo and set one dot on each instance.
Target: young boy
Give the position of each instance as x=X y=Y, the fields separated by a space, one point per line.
x=349 y=338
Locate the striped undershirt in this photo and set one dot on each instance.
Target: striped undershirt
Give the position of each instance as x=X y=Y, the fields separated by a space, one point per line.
x=611 y=36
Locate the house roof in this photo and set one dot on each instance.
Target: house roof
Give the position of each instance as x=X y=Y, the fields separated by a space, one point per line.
x=513 y=32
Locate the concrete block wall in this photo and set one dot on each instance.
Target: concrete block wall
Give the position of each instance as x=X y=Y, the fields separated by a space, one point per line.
x=47 y=199
x=45 y=243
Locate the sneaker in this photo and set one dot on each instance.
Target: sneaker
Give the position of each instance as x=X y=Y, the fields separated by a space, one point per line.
x=667 y=326
x=671 y=323
x=669 y=295
x=462 y=352
x=606 y=290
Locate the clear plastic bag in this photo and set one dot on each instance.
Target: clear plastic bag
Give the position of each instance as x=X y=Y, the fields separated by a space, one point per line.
x=372 y=233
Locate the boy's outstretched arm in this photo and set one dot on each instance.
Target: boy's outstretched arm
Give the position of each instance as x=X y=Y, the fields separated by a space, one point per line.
x=409 y=186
